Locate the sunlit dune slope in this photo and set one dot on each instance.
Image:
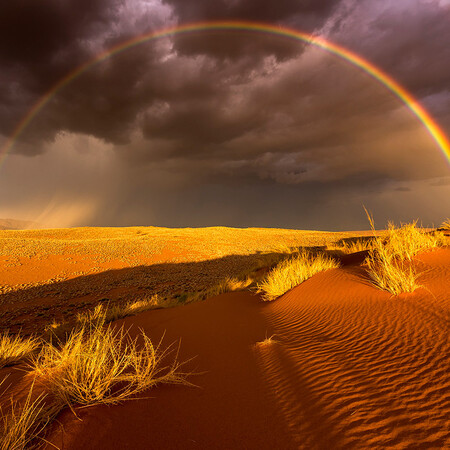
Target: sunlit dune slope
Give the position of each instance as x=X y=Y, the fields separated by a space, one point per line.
x=347 y=366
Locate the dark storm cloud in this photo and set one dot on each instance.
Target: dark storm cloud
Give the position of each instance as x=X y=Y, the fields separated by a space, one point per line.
x=255 y=10
x=200 y=119
x=36 y=32
x=42 y=41
x=307 y=14
x=408 y=39
x=39 y=43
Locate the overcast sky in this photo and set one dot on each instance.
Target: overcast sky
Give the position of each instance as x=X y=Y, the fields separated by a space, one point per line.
x=220 y=127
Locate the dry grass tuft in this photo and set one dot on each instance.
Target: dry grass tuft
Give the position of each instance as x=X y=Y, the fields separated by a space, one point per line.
x=15 y=349
x=100 y=315
x=103 y=314
x=228 y=284
x=231 y=284
x=23 y=425
x=292 y=272
x=358 y=245
x=390 y=262
x=391 y=273
x=59 y=331
x=98 y=365
x=267 y=341
x=445 y=226
x=118 y=311
x=96 y=315
x=409 y=240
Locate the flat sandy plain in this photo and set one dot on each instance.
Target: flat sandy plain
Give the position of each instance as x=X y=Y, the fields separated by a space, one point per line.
x=50 y=275
x=348 y=367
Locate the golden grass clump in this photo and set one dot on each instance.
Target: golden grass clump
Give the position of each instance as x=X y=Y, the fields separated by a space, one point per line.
x=228 y=284
x=267 y=341
x=445 y=225
x=96 y=315
x=390 y=262
x=118 y=311
x=23 y=424
x=391 y=273
x=231 y=284
x=104 y=314
x=291 y=272
x=14 y=349
x=349 y=247
x=98 y=365
x=409 y=240
x=58 y=331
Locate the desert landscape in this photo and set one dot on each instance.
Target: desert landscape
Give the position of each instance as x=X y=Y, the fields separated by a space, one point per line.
x=224 y=224
x=225 y=338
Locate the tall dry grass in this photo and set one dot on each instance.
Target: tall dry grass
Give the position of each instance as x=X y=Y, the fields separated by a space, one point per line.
x=291 y=272
x=349 y=247
x=22 y=425
x=409 y=240
x=98 y=364
x=390 y=262
x=445 y=225
x=390 y=272
x=14 y=349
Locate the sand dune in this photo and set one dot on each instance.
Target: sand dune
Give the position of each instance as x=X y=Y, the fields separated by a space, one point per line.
x=349 y=366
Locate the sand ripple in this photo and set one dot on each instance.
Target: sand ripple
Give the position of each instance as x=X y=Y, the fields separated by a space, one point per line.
x=357 y=368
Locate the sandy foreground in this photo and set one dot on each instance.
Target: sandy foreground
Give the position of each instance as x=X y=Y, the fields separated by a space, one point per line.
x=347 y=367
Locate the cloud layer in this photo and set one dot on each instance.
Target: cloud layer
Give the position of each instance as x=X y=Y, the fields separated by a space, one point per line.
x=223 y=127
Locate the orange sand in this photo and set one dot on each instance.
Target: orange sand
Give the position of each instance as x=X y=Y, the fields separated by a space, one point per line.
x=51 y=275
x=350 y=367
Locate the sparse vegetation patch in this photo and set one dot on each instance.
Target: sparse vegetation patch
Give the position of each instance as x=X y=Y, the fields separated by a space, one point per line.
x=391 y=261
x=13 y=349
x=292 y=272
x=357 y=245
x=22 y=425
x=445 y=226
x=98 y=364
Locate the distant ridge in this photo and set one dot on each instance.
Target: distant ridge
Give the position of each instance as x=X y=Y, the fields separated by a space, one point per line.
x=13 y=224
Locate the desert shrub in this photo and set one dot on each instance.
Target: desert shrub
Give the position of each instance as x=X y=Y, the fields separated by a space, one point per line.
x=13 y=349
x=291 y=272
x=390 y=262
x=100 y=365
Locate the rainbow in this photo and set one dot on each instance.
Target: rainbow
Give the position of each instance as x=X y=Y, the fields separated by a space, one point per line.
x=419 y=111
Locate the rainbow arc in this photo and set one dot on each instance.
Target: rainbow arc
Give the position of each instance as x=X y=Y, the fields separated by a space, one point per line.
x=399 y=91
